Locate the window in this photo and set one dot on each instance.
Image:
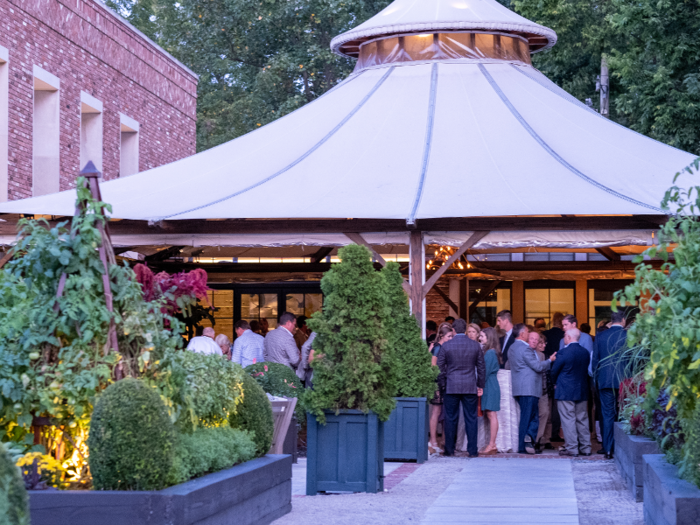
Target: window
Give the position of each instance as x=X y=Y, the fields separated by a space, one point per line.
x=544 y=302
x=90 y=131
x=129 y=146
x=487 y=309
x=46 y=168
x=303 y=303
x=257 y=306
x=4 y=123
x=600 y=297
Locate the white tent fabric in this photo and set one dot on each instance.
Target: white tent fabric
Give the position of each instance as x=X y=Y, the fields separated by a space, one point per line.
x=450 y=138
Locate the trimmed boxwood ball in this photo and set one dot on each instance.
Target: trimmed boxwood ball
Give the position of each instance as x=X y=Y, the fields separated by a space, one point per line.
x=131 y=439
x=14 y=503
x=255 y=415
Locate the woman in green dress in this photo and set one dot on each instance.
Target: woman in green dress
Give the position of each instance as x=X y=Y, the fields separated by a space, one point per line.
x=491 y=399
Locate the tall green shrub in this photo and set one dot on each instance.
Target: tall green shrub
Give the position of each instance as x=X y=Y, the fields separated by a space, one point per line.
x=357 y=369
x=254 y=414
x=14 y=503
x=415 y=373
x=131 y=438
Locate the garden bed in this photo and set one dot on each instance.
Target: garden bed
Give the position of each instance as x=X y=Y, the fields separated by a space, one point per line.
x=668 y=500
x=255 y=492
x=628 y=459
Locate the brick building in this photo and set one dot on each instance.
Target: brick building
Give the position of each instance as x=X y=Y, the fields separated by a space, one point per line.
x=78 y=83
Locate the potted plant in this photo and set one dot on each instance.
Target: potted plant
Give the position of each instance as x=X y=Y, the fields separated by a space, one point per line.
x=406 y=431
x=354 y=379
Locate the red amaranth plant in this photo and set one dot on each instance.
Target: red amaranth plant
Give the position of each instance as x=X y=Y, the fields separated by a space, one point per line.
x=181 y=290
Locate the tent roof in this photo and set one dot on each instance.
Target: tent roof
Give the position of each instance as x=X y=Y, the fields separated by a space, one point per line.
x=412 y=16
x=413 y=140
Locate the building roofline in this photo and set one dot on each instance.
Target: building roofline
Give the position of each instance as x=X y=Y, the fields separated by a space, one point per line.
x=124 y=21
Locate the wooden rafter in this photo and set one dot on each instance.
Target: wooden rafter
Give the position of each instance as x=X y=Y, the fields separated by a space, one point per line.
x=471 y=241
x=608 y=253
x=321 y=254
x=162 y=255
x=483 y=294
x=447 y=299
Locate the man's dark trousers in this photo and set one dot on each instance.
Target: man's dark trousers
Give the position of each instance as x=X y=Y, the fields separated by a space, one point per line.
x=608 y=405
x=529 y=420
x=469 y=406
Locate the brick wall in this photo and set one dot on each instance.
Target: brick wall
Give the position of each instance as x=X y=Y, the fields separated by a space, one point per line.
x=436 y=309
x=89 y=48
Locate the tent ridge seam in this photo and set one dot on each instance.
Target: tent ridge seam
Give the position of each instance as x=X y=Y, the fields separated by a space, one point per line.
x=428 y=142
x=299 y=159
x=548 y=148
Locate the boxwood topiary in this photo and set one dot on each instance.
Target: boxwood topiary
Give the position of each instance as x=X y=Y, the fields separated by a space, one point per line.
x=14 y=508
x=279 y=380
x=131 y=438
x=254 y=414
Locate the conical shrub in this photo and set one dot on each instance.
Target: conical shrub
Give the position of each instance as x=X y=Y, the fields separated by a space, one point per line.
x=14 y=503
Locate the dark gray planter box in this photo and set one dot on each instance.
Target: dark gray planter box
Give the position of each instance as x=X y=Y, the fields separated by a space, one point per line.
x=628 y=458
x=255 y=492
x=291 y=440
x=668 y=500
x=406 y=431
x=346 y=454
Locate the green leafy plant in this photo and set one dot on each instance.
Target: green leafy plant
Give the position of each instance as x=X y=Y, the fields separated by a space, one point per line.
x=691 y=461
x=415 y=373
x=254 y=414
x=279 y=380
x=131 y=438
x=209 y=450
x=356 y=366
x=14 y=503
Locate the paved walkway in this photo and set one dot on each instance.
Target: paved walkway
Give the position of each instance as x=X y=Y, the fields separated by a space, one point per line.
x=507 y=491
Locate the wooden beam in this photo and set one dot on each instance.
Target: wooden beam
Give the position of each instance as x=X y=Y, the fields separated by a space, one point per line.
x=6 y=258
x=608 y=253
x=417 y=258
x=162 y=255
x=447 y=299
x=471 y=241
x=359 y=239
x=483 y=294
x=321 y=254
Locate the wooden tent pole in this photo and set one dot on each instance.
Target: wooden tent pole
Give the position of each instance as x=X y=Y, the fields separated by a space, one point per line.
x=417 y=260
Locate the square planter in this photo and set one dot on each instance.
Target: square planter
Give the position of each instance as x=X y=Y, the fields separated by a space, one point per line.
x=291 y=440
x=255 y=492
x=628 y=459
x=346 y=454
x=668 y=500
x=406 y=431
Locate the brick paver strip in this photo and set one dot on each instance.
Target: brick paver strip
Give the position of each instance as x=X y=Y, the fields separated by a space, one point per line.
x=398 y=475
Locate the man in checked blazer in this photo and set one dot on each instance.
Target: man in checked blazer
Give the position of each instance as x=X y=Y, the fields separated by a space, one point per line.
x=463 y=375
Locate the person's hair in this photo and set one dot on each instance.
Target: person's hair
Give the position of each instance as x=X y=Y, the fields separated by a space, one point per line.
x=301 y=321
x=209 y=332
x=449 y=318
x=445 y=328
x=242 y=324
x=222 y=340
x=492 y=342
x=585 y=328
x=557 y=319
x=287 y=317
x=460 y=326
x=431 y=325
x=505 y=314
x=530 y=327
x=198 y=330
x=540 y=323
x=475 y=327
x=571 y=318
x=574 y=334
x=543 y=339
x=255 y=325
x=618 y=317
x=517 y=329
x=485 y=325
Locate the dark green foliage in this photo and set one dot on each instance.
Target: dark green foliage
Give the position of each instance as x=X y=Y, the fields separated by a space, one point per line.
x=209 y=450
x=358 y=367
x=664 y=425
x=691 y=462
x=415 y=374
x=254 y=414
x=131 y=439
x=14 y=503
x=279 y=380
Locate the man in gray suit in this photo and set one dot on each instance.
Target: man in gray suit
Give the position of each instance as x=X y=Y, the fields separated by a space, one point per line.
x=526 y=371
x=279 y=344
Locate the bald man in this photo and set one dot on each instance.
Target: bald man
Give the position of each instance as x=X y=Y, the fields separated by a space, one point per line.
x=205 y=344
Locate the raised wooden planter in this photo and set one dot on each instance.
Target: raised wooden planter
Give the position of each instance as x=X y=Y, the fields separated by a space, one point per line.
x=346 y=454
x=668 y=500
x=628 y=458
x=406 y=431
x=255 y=492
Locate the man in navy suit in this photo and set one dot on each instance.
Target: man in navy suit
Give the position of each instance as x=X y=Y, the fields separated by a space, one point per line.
x=504 y=321
x=463 y=374
x=570 y=375
x=609 y=365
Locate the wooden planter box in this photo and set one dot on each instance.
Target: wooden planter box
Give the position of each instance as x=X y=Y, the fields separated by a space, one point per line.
x=291 y=440
x=255 y=492
x=628 y=458
x=346 y=454
x=406 y=431
x=668 y=500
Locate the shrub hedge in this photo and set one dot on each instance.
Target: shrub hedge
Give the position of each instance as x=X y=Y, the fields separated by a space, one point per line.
x=14 y=503
x=131 y=438
x=254 y=414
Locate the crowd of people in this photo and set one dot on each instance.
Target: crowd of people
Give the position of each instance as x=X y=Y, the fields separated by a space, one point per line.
x=541 y=383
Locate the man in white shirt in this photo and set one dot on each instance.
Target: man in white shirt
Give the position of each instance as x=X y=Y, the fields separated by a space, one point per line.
x=204 y=344
x=248 y=346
